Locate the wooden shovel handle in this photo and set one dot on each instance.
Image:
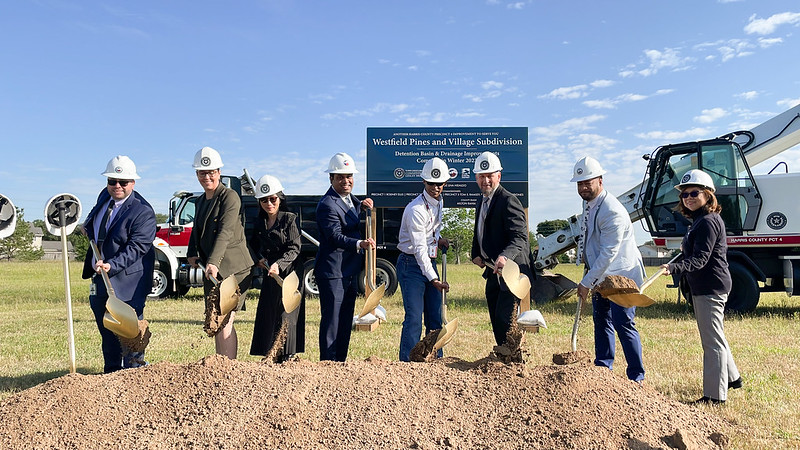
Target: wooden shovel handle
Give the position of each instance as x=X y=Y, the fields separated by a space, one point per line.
x=277 y=278
x=99 y=256
x=658 y=273
x=203 y=268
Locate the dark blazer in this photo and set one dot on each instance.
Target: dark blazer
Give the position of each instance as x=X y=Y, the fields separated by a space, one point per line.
x=505 y=231
x=339 y=233
x=127 y=248
x=280 y=244
x=218 y=235
x=705 y=257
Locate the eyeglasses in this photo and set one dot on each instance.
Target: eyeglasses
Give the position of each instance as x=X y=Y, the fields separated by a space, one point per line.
x=435 y=184
x=692 y=194
x=114 y=182
x=273 y=199
x=206 y=173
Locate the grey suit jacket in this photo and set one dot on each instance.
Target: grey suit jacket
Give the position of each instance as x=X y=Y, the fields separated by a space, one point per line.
x=610 y=243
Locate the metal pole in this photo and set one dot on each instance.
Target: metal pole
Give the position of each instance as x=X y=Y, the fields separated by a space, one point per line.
x=65 y=258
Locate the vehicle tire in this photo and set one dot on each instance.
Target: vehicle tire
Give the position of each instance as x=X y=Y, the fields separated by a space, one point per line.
x=385 y=272
x=162 y=284
x=309 y=282
x=744 y=292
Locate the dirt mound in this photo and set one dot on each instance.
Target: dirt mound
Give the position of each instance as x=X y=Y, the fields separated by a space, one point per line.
x=219 y=403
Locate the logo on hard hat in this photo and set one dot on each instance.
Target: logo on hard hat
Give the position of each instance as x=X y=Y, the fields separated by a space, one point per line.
x=484 y=165
x=346 y=162
x=399 y=173
x=264 y=188
x=453 y=172
x=579 y=171
x=118 y=169
x=686 y=178
x=436 y=173
x=776 y=221
x=205 y=161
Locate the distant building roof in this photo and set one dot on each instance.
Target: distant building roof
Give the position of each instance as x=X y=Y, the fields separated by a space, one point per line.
x=55 y=246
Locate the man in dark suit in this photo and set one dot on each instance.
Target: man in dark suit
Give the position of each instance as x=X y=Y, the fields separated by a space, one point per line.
x=123 y=225
x=339 y=258
x=500 y=234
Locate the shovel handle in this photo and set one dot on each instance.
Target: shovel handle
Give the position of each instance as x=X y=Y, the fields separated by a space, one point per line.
x=658 y=273
x=203 y=268
x=99 y=257
x=277 y=278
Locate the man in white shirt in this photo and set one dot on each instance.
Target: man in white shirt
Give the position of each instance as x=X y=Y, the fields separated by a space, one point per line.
x=419 y=242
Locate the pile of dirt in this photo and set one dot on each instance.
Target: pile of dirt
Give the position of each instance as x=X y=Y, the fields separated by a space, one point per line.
x=219 y=403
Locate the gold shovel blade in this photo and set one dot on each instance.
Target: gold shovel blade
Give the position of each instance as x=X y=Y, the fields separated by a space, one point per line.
x=629 y=300
x=228 y=295
x=518 y=283
x=446 y=335
x=120 y=318
x=373 y=300
x=290 y=296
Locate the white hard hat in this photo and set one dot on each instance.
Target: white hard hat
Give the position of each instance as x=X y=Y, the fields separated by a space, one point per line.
x=268 y=185
x=435 y=170
x=487 y=162
x=207 y=159
x=341 y=163
x=696 y=177
x=121 y=167
x=585 y=169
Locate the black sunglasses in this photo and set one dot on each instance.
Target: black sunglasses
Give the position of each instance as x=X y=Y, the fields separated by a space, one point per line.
x=114 y=181
x=269 y=199
x=690 y=194
x=435 y=184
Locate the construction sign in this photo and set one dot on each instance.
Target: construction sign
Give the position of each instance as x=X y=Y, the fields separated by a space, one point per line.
x=395 y=157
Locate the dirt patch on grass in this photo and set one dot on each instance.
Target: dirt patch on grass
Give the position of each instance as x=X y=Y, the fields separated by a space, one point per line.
x=219 y=403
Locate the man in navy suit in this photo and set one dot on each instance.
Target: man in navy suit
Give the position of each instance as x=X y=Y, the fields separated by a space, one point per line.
x=123 y=225
x=500 y=234
x=339 y=258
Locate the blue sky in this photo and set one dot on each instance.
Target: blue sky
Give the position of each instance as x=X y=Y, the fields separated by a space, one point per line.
x=279 y=86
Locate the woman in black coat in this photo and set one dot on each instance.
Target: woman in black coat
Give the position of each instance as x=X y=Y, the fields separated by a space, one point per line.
x=705 y=266
x=276 y=244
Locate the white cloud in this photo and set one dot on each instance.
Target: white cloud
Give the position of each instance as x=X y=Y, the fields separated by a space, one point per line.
x=611 y=103
x=378 y=108
x=669 y=58
x=423 y=53
x=769 y=42
x=735 y=48
x=788 y=102
x=710 y=115
x=749 y=95
x=564 y=93
x=770 y=24
x=674 y=136
x=491 y=85
x=516 y=5
x=601 y=83
x=414 y=68
x=569 y=126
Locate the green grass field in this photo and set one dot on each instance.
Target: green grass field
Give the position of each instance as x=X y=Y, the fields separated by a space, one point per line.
x=766 y=344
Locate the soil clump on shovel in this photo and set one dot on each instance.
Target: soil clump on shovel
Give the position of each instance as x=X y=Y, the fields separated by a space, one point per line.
x=140 y=342
x=616 y=284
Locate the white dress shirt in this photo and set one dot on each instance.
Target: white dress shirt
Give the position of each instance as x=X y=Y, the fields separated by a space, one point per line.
x=420 y=230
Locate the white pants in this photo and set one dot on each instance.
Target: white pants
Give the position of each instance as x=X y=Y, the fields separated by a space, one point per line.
x=718 y=365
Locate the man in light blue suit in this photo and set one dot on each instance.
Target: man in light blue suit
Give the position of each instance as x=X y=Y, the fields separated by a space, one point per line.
x=339 y=258
x=608 y=247
x=123 y=225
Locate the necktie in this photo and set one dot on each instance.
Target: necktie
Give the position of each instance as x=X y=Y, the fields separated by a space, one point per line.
x=101 y=233
x=584 y=233
x=481 y=220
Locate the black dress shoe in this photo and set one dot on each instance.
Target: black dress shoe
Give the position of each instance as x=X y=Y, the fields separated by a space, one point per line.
x=707 y=400
x=735 y=384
